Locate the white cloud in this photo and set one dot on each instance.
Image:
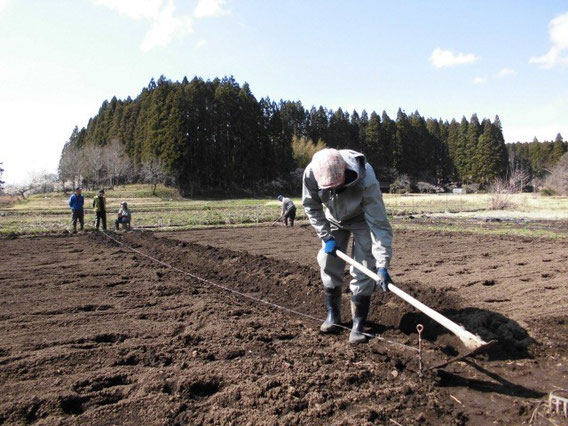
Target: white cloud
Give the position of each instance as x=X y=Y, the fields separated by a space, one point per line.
x=164 y=22
x=446 y=58
x=164 y=26
x=479 y=80
x=200 y=44
x=504 y=72
x=134 y=9
x=211 y=8
x=558 y=52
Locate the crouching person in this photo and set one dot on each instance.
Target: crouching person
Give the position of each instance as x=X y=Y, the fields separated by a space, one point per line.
x=124 y=216
x=343 y=182
x=288 y=210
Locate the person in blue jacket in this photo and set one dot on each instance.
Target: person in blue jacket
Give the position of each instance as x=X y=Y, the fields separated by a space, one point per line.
x=76 y=202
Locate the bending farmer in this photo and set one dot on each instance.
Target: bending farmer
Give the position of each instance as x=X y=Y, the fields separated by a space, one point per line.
x=99 y=204
x=346 y=185
x=124 y=216
x=76 y=202
x=288 y=210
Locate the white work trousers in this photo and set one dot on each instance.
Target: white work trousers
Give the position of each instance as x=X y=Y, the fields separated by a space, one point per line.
x=332 y=267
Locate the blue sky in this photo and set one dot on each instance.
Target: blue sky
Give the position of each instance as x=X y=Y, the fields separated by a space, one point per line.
x=61 y=59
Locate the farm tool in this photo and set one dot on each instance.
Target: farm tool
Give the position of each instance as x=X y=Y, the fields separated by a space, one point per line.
x=474 y=344
x=558 y=402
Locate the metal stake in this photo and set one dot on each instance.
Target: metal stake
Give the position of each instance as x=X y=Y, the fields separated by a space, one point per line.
x=420 y=328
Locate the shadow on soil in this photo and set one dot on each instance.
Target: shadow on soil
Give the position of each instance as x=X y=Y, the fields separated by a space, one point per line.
x=503 y=386
x=513 y=340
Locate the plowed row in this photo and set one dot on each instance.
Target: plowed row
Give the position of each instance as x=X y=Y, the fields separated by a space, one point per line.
x=91 y=332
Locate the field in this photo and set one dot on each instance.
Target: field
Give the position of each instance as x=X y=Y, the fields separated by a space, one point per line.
x=93 y=332
x=526 y=214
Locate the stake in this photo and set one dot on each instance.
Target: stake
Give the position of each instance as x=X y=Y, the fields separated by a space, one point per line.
x=419 y=328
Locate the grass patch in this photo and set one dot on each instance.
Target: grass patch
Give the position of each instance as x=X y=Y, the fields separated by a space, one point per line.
x=169 y=211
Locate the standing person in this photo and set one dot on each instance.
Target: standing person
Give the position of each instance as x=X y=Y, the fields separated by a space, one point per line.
x=288 y=210
x=343 y=182
x=99 y=204
x=76 y=202
x=124 y=216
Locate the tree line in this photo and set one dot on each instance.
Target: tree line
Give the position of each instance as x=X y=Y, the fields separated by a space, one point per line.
x=215 y=135
x=536 y=159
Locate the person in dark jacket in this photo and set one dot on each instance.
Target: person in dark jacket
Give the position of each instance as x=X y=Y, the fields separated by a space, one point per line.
x=76 y=202
x=99 y=204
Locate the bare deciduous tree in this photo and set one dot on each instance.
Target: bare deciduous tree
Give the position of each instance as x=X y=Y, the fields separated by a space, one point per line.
x=557 y=181
x=70 y=166
x=43 y=182
x=154 y=172
x=501 y=195
x=116 y=161
x=93 y=164
x=518 y=179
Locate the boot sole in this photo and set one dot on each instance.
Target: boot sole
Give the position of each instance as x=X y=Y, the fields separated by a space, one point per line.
x=358 y=339
x=332 y=329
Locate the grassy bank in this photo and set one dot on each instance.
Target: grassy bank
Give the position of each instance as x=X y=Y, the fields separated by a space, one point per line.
x=167 y=210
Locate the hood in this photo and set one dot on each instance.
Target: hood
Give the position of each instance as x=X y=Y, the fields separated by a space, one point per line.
x=355 y=162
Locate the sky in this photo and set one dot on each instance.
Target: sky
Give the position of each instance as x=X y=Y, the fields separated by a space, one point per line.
x=60 y=59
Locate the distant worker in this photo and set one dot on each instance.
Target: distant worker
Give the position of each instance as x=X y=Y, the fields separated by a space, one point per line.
x=124 y=216
x=343 y=182
x=76 y=202
x=288 y=210
x=99 y=204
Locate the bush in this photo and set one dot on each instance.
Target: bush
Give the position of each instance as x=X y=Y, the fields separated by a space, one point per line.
x=303 y=149
x=403 y=184
x=428 y=188
x=557 y=181
x=501 y=198
x=548 y=192
x=290 y=185
x=472 y=188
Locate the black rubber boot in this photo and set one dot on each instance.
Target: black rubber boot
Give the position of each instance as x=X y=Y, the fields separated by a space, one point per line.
x=333 y=302
x=359 y=310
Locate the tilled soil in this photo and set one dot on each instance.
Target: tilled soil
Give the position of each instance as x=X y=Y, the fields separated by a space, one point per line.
x=92 y=332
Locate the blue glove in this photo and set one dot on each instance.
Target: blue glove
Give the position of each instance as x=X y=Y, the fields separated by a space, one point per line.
x=330 y=246
x=384 y=279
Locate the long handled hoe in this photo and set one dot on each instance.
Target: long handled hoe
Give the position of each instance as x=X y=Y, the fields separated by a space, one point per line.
x=473 y=343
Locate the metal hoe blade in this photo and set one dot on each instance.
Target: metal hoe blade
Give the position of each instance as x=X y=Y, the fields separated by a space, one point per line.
x=461 y=357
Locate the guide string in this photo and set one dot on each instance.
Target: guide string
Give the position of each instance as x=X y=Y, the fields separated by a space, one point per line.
x=248 y=296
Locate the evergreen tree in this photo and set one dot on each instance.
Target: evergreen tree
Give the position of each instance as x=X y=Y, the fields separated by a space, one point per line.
x=558 y=149
x=318 y=124
x=339 y=132
x=491 y=155
x=354 y=131
x=403 y=158
x=462 y=152
x=362 y=129
x=441 y=159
